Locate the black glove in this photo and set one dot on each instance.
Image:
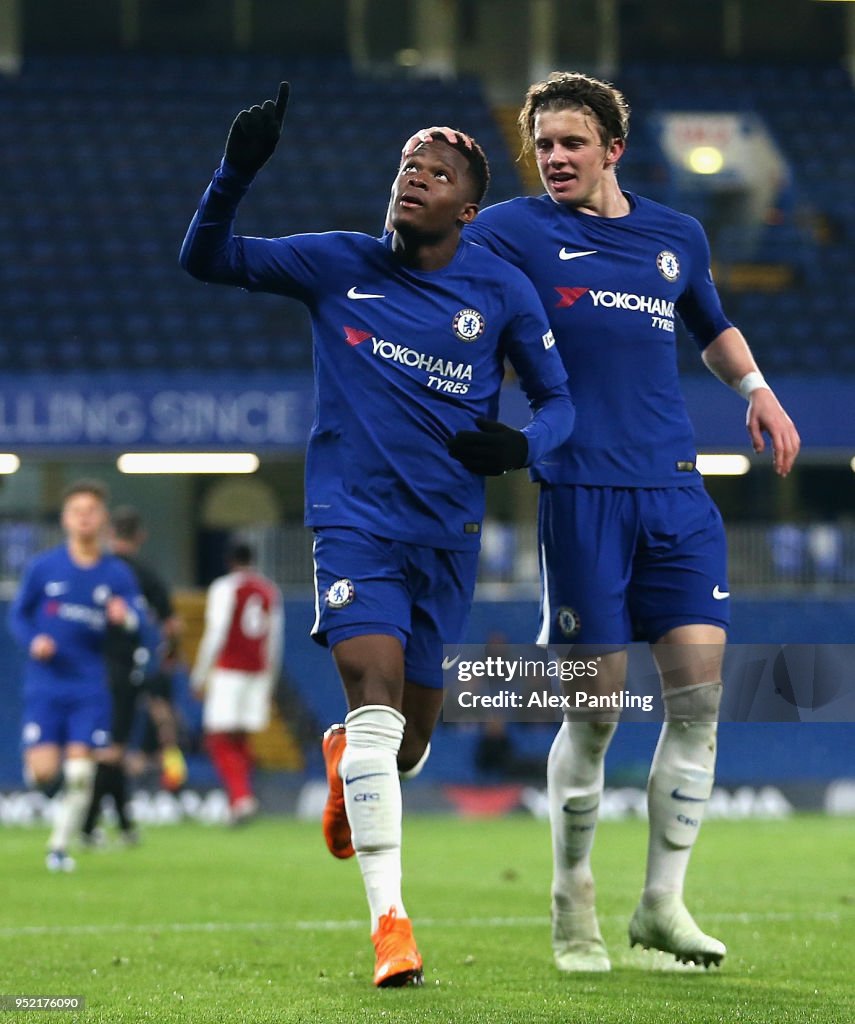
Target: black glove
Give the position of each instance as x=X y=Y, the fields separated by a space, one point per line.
x=490 y=450
x=255 y=132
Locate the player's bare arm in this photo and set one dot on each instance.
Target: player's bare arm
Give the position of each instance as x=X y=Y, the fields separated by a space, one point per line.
x=730 y=359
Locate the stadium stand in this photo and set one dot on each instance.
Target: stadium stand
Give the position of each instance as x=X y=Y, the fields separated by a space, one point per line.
x=106 y=157
x=803 y=322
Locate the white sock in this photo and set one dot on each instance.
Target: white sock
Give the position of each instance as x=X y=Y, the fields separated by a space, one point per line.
x=574 y=782
x=680 y=783
x=372 y=796
x=79 y=778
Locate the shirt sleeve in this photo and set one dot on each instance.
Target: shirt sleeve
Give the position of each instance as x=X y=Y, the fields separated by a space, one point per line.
x=219 y=608
x=700 y=306
x=497 y=229
x=530 y=346
x=22 y=611
x=212 y=252
x=156 y=593
x=276 y=638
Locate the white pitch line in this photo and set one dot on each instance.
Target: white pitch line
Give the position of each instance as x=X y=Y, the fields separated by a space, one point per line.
x=347 y=925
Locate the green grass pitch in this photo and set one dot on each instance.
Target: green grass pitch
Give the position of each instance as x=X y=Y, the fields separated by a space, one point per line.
x=261 y=925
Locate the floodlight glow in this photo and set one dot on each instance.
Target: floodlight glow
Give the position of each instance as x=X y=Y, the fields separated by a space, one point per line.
x=723 y=465
x=187 y=462
x=409 y=57
x=9 y=463
x=705 y=160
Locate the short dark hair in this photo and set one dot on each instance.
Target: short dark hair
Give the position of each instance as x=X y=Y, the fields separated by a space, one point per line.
x=573 y=90
x=87 y=485
x=127 y=522
x=240 y=553
x=479 y=169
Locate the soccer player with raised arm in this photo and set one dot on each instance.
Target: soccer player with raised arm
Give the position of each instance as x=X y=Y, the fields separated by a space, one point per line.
x=410 y=336
x=631 y=545
x=60 y=615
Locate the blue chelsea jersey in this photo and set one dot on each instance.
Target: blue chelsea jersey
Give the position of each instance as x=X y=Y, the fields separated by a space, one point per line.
x=613 y=288
x=68 y=602
x=403 y=359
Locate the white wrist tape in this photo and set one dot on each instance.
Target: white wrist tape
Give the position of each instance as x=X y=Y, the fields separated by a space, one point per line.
x=750 y=382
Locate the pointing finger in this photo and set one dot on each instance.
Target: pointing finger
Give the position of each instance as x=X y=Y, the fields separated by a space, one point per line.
x=282 y=100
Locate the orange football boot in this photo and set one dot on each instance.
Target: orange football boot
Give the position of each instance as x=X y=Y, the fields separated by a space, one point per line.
x=398 y=961
x=335 y=824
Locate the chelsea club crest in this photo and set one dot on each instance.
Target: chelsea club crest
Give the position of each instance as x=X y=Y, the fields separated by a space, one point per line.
x=468 y=324
x=341 y=593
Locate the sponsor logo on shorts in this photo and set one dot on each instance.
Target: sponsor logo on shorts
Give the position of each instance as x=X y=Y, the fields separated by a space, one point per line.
x=468 y=324
x=719 y=594
x=341 y=593
x=568 y=621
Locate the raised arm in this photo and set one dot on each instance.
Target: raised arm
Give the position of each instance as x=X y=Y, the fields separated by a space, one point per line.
x=729 y=358
x=210 y=251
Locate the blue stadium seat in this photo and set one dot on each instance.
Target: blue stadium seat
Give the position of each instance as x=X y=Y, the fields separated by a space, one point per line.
x=95 y=282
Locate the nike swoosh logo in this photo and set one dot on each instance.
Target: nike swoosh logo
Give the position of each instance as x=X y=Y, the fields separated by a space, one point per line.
x=677 y=795
x=580 y=810
x=354 y=294
x=719 y=595
x=450 y=662
x=358 y=778
x=563 y=254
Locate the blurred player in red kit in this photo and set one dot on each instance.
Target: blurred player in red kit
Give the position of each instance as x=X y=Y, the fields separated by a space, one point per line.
x=237 y=665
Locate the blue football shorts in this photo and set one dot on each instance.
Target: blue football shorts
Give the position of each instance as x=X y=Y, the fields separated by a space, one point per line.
x=619 y=564
x=72 y=715
x=365 y=584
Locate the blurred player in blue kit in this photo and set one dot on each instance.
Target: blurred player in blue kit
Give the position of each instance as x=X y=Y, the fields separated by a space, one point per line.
x=137 y=676
x=67 y=599
x=631 y=545
x=410 y=336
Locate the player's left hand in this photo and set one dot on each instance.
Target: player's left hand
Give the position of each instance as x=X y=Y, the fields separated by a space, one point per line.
x=255 y=132
x=117 y=610
x=494 y=448
x=767 y=415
